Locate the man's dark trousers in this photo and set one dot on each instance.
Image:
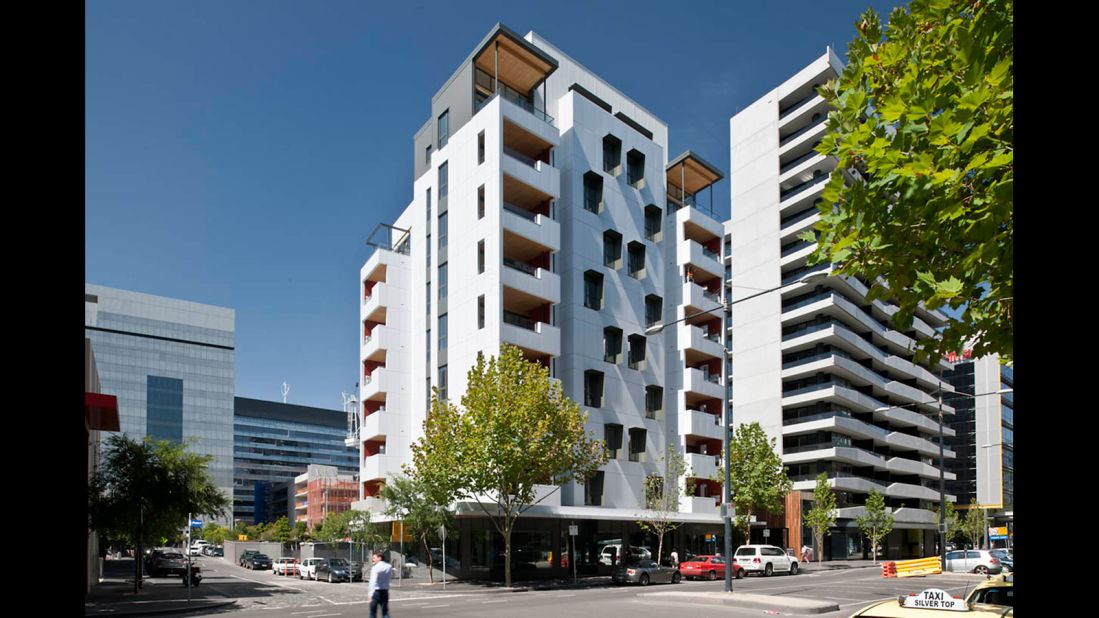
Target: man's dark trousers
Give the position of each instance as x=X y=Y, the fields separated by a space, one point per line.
x=380 y=599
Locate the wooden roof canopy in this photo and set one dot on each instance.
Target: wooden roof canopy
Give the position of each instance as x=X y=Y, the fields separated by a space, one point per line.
x=693 y=171
x=522 y=65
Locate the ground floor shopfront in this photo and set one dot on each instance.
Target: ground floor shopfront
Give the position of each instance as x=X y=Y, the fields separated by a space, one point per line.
x=847 y=542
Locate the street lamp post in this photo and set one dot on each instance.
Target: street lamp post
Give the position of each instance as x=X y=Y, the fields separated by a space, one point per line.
x=727 y=499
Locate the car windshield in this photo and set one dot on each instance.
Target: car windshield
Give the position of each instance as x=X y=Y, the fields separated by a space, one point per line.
x=339 y=562
x=172 y=556
x=260 y=557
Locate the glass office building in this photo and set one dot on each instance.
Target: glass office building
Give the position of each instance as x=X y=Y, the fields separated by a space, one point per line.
x=171 y=364
x=274 y=443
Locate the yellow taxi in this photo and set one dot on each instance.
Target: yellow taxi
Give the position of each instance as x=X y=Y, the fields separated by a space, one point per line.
x=992 y=597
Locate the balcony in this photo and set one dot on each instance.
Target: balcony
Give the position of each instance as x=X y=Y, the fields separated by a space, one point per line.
x=686 y=177
x=538 y=337
x=381 y=339
x=904 y=442
x=377 y=425
x=803 y=140
x=537 y=175
x=801 y=196
x=706 y=263
x=697 y=298
x=839 y=424
x=704 y=505
x=801 y=113
x=537 y=284
x=701 y=466
x=702 y=424
x=376 y=506
x=707 y=385
x=915 y=492
x=378 y=383
x=382 y=297
x=697 y=344
x=903 y=465
x=793 y=226
x=380 y=466
x=797 y=255
x=508 y=67
x=537 y=229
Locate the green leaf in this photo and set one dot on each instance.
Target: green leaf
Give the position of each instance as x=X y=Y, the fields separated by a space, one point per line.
x=999 y=72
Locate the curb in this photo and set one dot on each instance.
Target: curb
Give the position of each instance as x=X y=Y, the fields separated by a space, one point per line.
x=755 y=601
x=182 y=607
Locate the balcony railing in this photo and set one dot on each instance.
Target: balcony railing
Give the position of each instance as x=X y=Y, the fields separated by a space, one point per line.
x=521 y=321
x=801 y=272
x=803 y=158
x=516 y=210
x=789 y=220
x=795 y=247
x=805 y=186
x=710 y=254
x=518 y=99
x=816 y=417
x=816 y=298
x=806 y=330
x=520 y=266
x=818 y=446
x=789 y=138
x=711 y=295
x=522 y=158
x=786 y=111
x=688 y=199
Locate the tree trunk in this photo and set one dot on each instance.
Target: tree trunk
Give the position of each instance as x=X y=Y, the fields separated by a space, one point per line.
x=430 y=574
x=660 y=546
x=507 y=553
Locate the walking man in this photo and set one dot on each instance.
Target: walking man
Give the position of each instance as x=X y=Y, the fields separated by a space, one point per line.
x=378 y=591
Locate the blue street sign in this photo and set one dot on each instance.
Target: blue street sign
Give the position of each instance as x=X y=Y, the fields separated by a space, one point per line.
x=196 y=523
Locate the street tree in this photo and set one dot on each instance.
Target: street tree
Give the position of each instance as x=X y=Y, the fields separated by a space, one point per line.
x=973 y=524
x=515 y=430
x=214 y=533
x=301 y=532
x=662 y=494
x=924 y=112
x=334 y=527
x=951 y=521
x=876 y=522
x=278 y=531
x=144 y=490
x=759 y=480
x=421 y=509
x=822 y=515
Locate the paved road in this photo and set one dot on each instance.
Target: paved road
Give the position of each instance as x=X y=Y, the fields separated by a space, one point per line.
x=261 y=593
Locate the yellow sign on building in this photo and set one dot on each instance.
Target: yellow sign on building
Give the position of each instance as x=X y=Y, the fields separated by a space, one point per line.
x=242 y=537
x=397 y=531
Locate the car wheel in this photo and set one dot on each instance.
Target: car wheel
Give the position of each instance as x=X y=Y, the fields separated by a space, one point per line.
x=982 y=570
x=675 y=578
x=768 y=571
x=739 y=573
x=711 y=575
x=793 y=568
x=644 y=581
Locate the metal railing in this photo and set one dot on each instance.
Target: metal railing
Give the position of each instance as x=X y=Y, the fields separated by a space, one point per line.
x=805 y=186
x=519 y=100
x=520 y=266
x=792 y=164
x=516 y=210
x=816 y=298
x=790 y=220
x=521 y=321
x=816 y=417
x=797 y=104
x=711 y=295
x=802 y=131
x=795 y=247
x=794 y=334
x=710 y=254
x=801 y=272
x=522 y=158
x=682 y=198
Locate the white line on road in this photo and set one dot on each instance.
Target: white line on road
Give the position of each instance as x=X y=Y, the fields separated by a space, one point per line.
x=498 y=601
x=319 y=615
x=312 y=611
x=433 y=606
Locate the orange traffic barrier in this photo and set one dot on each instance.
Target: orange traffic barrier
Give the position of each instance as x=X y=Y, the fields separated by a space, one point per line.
x=918 y=567
x=889 y=569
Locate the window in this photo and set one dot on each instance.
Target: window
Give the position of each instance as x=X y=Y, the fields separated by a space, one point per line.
x=480 y=312
x=480 y=147
x=427 y=388
x=612 y=155
x=654 y=401
x=593 y=192
x=480 y=256
x=442 y=281
x=442 y=332
x=427 y=155
x=612 y=437
x=428 y=206
x=444 y=128
x=593 y=490
x=481 y=202
x=443 y=185
x=428 y=298
x=442 y=383
x=654 y=309
x=593 y=388
x=442 y=231
x=652 y=223
x=612 y=249
x=637 y=444
x=636 y=252
x=164 y=408
x=637 y=352
x=593 y=290
x=429 y=345
x=612 y=345
x=635 y=169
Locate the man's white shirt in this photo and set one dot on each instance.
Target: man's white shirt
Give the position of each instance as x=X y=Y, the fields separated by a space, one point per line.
x=380 y=575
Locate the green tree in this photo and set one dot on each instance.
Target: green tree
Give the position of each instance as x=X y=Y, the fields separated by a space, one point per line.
x=515 y=429
x=301 y=532
x=951 y=521
x=144 y=490
x=278 y=531
x=973 y=524
x=823 y=514
x=420 y=508
x=334 y=527
x=662 y=494
x=924 y=110
x=759 y=480
x=214 y=533
x=876 y=522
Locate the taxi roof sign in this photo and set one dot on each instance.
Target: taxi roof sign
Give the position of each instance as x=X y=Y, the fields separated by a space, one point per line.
x=934 y=598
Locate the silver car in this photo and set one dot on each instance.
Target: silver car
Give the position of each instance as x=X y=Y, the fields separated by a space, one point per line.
x=973 y=561
x=644 y=572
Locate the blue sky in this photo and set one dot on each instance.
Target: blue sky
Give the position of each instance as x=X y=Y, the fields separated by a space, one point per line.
x=239 y=153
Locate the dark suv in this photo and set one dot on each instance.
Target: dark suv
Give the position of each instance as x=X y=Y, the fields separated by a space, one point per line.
x=248 y=553
x=257 y=561
x=334 y=570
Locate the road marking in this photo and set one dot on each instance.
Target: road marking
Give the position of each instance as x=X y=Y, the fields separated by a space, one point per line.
x=499 y=601
x=319 y=615
x=434 y=606
x=312 y=611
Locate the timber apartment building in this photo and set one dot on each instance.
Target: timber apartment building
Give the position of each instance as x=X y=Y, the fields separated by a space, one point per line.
x=546 y=213
x=819 y=366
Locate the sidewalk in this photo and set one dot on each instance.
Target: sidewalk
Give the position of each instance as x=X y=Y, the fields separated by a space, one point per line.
x=837 y=565
x=114 y=595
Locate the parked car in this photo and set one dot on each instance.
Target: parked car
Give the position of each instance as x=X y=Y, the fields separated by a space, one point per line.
x=333 y=569
x=285 y=566
x=197 y=547
x=248 y=553
x=765 y=560
x=643 y=572
x=308 y=568
x=166 y=561
x=613 y=554
x=257 y=562
x=710 y=567
x=356 y=571
x=213 y=550
x=1006 y=558
x=973 y=561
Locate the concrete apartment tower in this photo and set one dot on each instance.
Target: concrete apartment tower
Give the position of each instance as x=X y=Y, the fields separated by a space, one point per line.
x=546 y=213
x=815 y=362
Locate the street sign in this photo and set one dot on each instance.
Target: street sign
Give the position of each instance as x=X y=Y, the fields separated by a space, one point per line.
x=766 y=532
x=574 y=530
x=442 y=533
x=196 y=523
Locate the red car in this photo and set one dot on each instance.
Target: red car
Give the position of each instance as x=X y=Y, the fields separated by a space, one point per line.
x=710 y=567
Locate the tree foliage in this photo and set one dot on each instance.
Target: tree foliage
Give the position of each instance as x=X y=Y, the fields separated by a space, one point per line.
x=515 y=429
x=951 y=521
x=924 y=110
x=823 y=514
x=876 y=522
x=144 y=490
x=662 y=494
x=214 y=533
x=759 y=480
x=420 y=508
x=278 y=531
x=972 y=525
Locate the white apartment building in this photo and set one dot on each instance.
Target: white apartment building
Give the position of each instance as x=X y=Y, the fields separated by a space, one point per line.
x=546 y=213
x=815 y=364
